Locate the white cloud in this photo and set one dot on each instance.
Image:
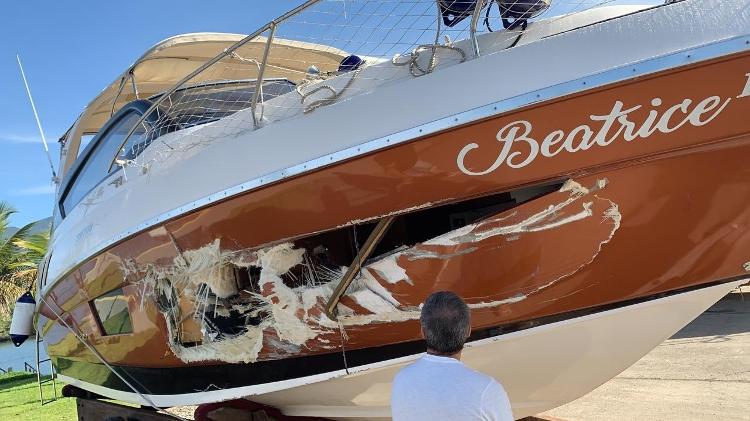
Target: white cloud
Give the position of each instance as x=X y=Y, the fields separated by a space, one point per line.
x=14 y=138
x=34 y=191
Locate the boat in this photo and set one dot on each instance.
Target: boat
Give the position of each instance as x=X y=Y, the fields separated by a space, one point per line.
x=261 y=216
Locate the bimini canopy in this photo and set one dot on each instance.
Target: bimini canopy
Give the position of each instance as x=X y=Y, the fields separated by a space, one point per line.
x=169 y=61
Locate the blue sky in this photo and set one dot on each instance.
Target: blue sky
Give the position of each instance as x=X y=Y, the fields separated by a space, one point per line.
x=71 y=50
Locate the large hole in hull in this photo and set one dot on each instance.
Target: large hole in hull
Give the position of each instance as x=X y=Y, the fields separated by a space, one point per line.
x=329 y=251
x=238 y=304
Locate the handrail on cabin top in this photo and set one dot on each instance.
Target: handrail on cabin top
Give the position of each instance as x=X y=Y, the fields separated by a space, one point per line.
x=216 y=59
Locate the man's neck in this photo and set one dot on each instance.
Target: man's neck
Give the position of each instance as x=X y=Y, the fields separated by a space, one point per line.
x=456 y=356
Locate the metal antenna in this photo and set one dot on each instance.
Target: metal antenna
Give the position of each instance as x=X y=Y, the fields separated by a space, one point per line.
x=38 y=123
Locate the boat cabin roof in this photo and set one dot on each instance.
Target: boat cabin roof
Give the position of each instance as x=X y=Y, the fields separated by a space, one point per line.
x=170 y=60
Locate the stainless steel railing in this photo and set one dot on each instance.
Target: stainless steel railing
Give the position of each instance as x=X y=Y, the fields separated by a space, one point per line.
x=310 y=41
x=271 y=25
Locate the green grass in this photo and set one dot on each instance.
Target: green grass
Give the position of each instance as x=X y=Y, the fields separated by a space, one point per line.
x=14 y=377
x=19 y=400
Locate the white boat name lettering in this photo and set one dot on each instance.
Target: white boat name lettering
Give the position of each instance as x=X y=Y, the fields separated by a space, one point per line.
x=519 y=148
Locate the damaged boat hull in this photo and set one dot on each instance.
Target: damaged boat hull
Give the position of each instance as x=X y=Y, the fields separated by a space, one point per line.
x=595 y=266
x=568 y=225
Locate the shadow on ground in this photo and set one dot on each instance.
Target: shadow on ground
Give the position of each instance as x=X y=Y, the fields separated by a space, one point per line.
x=734 y=309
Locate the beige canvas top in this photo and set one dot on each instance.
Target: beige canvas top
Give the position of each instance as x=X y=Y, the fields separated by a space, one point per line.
x=169 y=61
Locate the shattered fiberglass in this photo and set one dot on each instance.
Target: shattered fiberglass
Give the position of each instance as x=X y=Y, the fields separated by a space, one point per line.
x=282 y=305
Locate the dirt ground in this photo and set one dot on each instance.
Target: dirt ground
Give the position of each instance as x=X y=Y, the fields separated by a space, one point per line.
x=701 y=373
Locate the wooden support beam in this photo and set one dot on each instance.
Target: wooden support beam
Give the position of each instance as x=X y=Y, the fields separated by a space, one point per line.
x=372 y=241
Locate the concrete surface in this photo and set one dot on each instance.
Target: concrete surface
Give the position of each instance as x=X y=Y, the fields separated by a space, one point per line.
x=701 y=373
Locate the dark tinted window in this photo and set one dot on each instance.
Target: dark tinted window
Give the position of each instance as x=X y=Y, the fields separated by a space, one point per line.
x=112 y=311
x=205 y=103
x=98 y=164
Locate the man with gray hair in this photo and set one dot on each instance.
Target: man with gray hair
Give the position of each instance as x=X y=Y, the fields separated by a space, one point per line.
x=438 y=386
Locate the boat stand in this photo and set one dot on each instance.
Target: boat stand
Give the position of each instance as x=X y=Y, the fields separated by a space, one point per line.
x=242 y=409
x=93 y=409
x=247 y=410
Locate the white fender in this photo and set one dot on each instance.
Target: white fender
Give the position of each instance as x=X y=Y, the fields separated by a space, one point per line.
x=22 y=324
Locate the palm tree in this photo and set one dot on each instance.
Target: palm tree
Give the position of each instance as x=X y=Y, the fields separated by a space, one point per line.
x=20 y=253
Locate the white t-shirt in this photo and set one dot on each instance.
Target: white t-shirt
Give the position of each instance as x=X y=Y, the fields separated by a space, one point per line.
x=437 y=388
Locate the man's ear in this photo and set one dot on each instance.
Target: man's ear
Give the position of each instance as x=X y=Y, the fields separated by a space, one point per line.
x=421 y=331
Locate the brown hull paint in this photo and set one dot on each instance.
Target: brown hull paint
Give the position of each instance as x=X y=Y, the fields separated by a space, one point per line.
x=682 y=198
